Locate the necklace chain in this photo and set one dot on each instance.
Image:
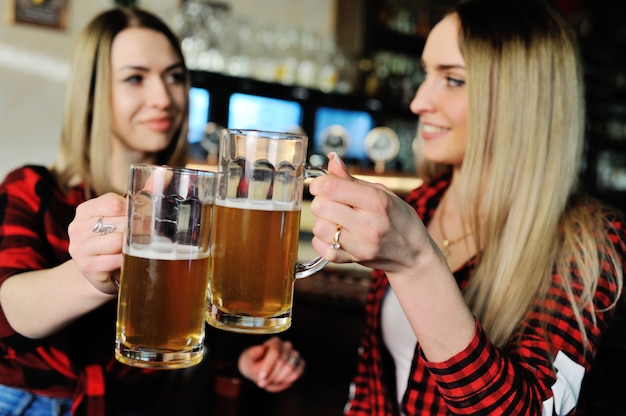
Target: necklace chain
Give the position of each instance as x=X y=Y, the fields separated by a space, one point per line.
x=446 y=243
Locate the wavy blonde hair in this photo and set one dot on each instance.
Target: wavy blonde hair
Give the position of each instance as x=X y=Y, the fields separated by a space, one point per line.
x=85 y=150
x=520 y=172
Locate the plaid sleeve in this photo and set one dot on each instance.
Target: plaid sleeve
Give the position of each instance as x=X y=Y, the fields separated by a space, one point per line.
x=522 y=377
x=33 y=235
x=482 y=381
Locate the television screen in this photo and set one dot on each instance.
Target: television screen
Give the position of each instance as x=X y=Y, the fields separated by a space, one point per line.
x=247 y=111
x=343 y=129
x=199 y=101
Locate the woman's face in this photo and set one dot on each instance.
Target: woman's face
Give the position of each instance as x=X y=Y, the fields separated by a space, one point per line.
x=441 y=100
x=148 y=93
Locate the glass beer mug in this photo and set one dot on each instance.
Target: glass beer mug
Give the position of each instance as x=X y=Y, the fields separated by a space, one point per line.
x=162 y=297
x=254 y=261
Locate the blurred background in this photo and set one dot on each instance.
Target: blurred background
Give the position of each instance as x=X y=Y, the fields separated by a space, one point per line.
x=342 y=72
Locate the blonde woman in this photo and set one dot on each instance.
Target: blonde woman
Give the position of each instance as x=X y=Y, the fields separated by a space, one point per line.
x=127 y=102
x=496 y=281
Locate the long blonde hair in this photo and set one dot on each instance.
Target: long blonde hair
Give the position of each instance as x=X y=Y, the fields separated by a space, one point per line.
x=520 y=172
x=84 y=154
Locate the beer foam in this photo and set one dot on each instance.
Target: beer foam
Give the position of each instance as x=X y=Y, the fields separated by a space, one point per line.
x=163 y=251
x=259 y=205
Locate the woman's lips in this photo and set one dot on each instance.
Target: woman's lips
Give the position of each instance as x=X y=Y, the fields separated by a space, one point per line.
x=159 y=124
x=430 y=131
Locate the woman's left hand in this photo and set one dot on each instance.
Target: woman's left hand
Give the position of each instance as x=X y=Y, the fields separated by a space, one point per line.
x=274 y=365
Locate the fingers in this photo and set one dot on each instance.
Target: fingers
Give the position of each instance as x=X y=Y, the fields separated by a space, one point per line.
x=337 y=167
x=350 y=191
x=363 y=212
x=98 y=226
x=274 y=366
x=96 y=237
x=360 y=228
x=333 y=241
x=109 y=204
x=287 y=365
x=109 y=209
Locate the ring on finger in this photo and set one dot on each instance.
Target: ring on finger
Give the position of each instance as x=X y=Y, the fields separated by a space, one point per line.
x=293 y=360
x=102 y=228
x=335 y=245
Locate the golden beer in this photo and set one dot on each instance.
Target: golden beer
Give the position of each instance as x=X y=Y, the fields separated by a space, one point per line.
x=254 y=245
x=161 y=308
x=164 y=273
x=254 y=254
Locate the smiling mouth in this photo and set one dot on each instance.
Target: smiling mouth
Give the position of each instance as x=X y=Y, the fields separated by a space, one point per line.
x=431 y=129
x=160 y=125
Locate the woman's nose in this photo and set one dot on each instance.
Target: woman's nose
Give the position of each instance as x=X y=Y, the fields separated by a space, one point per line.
x=422 y=101
x=159 y=94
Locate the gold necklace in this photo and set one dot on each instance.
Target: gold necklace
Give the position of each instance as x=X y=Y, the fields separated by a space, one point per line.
x=446 y=244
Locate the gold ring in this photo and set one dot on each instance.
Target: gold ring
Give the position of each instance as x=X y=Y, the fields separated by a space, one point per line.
x=335 y=244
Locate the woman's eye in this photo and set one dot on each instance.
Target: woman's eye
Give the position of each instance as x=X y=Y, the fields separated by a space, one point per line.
x=454 y=82
x=134 y=79
x=177 y=77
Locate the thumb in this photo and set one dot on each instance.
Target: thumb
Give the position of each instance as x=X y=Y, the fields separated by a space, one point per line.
x=256 y=352
x=336 y=166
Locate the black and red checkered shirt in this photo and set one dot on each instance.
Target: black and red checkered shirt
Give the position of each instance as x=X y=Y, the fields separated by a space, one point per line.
x=518 y=379
x=78 y=362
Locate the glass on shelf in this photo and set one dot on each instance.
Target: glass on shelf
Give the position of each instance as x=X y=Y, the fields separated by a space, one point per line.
x=216 y=40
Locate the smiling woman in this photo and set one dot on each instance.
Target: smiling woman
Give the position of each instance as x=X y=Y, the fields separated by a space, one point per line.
x=126 y=103
x=92 y=148
x=149 y=91
x=503 y=311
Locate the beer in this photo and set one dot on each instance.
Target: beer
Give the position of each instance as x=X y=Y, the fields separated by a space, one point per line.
x=164 y=274
x=161 y=307
x=252 y=266
x=254 y=244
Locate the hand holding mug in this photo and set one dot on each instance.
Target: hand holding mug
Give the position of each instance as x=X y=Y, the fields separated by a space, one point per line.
x=378 y=228
x=96 y=235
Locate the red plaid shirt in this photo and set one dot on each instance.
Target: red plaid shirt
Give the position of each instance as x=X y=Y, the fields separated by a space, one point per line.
x=482 y=379
x=77 y=362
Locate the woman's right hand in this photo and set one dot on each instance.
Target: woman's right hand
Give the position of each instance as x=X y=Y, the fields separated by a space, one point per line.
x=378 y=229
x=98 y=255
x=39 y=303
x=381 y=231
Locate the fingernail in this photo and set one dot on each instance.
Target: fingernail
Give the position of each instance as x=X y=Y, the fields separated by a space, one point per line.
x=334 y=156
x=262 y=382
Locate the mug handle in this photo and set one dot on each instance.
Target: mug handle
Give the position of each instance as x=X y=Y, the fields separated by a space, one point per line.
x=308 y=268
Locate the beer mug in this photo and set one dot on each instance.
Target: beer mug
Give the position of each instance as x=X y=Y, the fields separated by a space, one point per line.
x=254 y=245
x=163 y=281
